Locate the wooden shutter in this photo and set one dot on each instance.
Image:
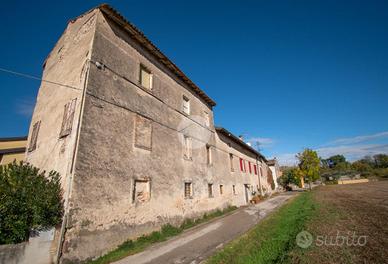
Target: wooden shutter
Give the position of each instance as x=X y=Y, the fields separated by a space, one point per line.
x=34 y=136
x=250 y=169
x=68 y=116
x=255 y=168
x=241 y=164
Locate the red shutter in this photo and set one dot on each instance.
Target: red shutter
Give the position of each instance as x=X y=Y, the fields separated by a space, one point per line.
x=241 y=164
x=255 y=168
x=250 y=169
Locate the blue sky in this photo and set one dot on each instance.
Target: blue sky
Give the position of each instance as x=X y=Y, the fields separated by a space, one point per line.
x=290 y=74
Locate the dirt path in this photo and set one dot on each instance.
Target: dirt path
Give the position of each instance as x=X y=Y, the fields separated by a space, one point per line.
x=198 y=243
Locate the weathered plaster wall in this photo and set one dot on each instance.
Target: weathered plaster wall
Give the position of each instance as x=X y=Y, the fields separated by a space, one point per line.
x=103 y=213
x=66 y=65
x=109 y=157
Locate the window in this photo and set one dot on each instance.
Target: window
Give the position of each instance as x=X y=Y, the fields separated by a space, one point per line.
x=188 y=147
x=145 y=77
x=207 y=119
x=143 y=133
x=231 y=161
x=34 y=136
x=210 y=190
x=255 y=169
x=234 y=189
x=141 y=191
x=186 y=105
x=250 y=169
x=241 y=164
x=261 y=172
x=209 y=155
x=188 y=190
x=221 y=189
x=68 y=116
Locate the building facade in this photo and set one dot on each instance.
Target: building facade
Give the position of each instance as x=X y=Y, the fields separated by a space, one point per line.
x=12 y=149
x=133 y=139
x=275 y=170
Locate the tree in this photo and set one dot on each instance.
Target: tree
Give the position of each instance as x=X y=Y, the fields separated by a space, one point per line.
x=337 y=159
x=361 y=166
x=29 y=200
x=381 y=160
x=290 y=176
x=309 y=164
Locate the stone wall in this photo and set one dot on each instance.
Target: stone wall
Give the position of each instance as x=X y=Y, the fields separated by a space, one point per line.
x=124 y=165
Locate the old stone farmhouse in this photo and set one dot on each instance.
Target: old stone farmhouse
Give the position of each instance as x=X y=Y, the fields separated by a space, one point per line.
x=133 y=139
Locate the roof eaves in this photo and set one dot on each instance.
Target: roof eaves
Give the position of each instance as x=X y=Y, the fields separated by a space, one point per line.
x=239 y=141
x=147 y=44
x=13 y=139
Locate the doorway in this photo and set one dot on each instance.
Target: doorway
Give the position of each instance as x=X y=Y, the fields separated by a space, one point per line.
x=246 y=187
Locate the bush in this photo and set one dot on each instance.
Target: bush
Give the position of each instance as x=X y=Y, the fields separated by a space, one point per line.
x=29 y=200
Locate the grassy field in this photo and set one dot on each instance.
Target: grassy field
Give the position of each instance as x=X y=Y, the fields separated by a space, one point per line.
x=330 y=214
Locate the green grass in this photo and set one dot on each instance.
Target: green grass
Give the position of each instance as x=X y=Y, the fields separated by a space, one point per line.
x=272 y=239
x=131 y=247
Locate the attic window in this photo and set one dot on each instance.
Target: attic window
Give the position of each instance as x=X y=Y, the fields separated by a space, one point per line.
x=145 y=77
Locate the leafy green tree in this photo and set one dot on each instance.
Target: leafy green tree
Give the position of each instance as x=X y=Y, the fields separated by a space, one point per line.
x=309 y=164
x=290 y=176
x=361 y=166
x=29 y=200
x=337 y=159
x=381 y=160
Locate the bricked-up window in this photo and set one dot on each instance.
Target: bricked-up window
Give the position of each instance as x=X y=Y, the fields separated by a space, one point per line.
x=188 y=190
x=145 y=77
x=209 y=155
x=143 y=132
x=221 y=189
x=207 y=119
x=68 y=117
x=188 y=147
x=210 y=189
x=141 y=191
x=255 y=169
x=34 y=136
x=186 y=105
x=234 y=189
x=231 y=161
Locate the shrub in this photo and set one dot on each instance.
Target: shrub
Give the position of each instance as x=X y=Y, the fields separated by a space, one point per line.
x=29 y=200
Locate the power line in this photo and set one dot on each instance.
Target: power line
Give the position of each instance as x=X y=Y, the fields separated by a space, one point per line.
x=28 y=76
